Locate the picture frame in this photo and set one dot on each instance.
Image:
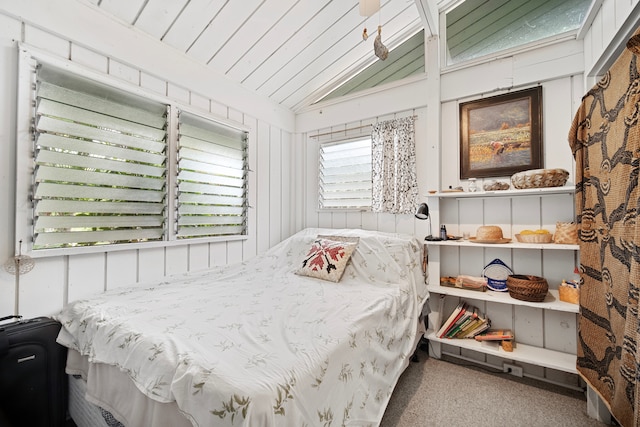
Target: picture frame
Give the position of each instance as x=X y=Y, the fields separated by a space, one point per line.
x=501 y=135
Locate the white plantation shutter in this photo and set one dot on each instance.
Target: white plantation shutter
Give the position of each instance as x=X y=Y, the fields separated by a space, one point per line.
x=212 y=178
x=345 y=175
x=100 y=164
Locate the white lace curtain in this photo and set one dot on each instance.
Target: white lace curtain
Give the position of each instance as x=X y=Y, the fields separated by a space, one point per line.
x=393 y=149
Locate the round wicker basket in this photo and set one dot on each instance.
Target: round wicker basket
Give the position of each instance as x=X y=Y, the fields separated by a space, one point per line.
x=534 y=238
x=527 y=288
x=540 y=178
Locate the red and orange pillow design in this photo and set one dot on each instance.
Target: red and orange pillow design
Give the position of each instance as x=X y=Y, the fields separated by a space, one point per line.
x=327 y=257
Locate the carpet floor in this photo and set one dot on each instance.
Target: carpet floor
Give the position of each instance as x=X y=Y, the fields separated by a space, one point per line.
x=437 y=393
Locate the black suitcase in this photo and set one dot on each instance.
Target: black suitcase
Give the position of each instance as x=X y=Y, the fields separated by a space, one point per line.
x=33 y=383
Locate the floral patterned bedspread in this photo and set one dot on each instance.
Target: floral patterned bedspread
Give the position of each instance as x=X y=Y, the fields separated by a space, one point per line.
x=255 y=344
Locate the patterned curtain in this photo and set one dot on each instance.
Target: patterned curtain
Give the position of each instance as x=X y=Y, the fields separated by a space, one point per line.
x=605 y=140
x=393 y=152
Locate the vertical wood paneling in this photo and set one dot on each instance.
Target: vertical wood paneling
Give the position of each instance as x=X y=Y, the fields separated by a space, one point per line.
x=10 y=31
x=234 y=251
x=43 y=290
x=275 y=186
x=122 y=268
x=497 y=211
x=529 y=326
x=558 y=266
x=198 y=257
x=86 y=275
x=558 y=115
x=176 y=260
x=310 y=179
x=560 y=331
x=218 y=253
x=286 y=202
x=151 y=264
x=448 y=164
x=528 y=214
x=262 y=186
x=525 y=261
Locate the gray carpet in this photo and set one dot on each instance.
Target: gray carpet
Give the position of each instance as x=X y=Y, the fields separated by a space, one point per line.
x=437 y=393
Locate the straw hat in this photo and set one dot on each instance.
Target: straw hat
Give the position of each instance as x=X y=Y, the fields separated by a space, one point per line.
x=489 y=234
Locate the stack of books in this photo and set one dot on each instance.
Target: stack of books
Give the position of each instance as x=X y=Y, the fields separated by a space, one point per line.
x=465 y=321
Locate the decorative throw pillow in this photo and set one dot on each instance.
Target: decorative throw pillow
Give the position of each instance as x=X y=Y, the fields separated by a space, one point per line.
x=327 y=259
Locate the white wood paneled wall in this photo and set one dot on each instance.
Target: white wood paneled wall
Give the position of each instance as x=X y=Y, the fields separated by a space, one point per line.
x=313 y=217
x=57 y=280
x=607 y=35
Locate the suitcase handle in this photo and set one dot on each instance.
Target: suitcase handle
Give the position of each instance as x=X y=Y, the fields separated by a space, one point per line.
x=4 y=339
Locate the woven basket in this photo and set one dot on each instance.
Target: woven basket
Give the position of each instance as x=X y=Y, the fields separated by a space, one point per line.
x=534 y=238
x=540 y=178
x=566 y=233
x=495 y=186
x=527 y=288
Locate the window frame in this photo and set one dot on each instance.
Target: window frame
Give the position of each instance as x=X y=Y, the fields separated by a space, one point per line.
x=28 y=58
x=447 y=66
x=337 y=141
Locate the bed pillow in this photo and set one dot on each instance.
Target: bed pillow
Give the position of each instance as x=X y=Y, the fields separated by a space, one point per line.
x=348 y=239
x=327 y=259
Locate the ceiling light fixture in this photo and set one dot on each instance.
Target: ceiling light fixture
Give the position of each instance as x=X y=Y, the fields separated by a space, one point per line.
x=369 y=7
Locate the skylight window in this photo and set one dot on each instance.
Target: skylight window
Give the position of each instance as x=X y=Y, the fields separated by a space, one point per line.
x=476 y=28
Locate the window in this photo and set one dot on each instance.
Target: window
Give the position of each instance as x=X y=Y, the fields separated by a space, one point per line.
x=476 y=28
x=95 y=166
x=212 y=182
x=100 y=164
x=345 y=175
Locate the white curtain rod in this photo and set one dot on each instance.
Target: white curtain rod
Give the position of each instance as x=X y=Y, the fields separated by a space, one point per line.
x=350 y=129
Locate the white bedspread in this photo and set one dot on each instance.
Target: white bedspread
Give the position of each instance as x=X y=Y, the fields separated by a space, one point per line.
x=254 y=344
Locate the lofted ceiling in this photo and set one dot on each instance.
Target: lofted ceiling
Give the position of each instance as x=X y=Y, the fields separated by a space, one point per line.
x=294 y=52
x=298 y=52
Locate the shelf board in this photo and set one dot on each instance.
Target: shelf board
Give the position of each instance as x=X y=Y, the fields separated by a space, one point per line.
x=551 y=302
x=510 y=245
x=567 y=189
x=521 y=352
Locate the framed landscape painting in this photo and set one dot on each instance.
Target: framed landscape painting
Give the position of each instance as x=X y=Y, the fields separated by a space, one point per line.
x=501 y=135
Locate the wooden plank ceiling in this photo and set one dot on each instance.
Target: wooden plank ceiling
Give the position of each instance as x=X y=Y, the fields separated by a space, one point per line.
x=297 y=52
x=294 y=52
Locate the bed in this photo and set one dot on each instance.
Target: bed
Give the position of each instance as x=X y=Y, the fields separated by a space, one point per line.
x=256 y=343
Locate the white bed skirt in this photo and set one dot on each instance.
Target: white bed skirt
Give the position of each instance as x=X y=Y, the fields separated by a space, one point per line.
x=105 y=386
x=83 y=413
